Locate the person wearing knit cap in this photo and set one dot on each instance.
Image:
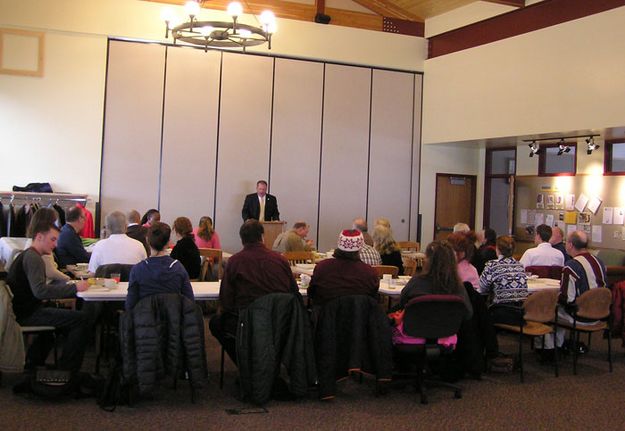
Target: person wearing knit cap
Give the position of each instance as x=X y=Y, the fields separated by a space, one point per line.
x=344 y=275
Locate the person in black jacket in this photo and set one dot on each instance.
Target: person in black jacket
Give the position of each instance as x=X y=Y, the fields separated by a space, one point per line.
x=260 y=205
x=69 y=248
x=185 y=250
x=388 y=248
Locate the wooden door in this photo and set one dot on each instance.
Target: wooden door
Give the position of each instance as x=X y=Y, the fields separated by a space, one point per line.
x=455 y=203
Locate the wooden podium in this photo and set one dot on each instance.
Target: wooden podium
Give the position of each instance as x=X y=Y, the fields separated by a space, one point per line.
x=272 y=230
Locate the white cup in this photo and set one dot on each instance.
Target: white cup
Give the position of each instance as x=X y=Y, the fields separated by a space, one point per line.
x=305 y=280
x=387 y=277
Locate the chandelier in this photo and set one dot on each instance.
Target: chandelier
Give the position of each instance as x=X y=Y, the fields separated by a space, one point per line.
x=218 y=34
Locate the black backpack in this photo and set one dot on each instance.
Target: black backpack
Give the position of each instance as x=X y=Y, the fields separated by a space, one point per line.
x=115 y=389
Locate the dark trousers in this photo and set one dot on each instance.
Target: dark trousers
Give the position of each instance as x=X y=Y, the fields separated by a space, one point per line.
x=72 y=324
x=224 y=328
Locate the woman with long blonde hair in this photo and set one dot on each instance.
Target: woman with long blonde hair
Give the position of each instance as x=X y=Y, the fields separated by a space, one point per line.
x=388 y=248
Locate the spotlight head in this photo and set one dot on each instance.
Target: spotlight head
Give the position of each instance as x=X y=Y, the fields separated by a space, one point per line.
x=590 y=142
x=561 y=149
x=534 y=148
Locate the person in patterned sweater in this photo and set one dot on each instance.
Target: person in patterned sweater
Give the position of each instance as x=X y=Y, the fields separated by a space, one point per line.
x=505 y=278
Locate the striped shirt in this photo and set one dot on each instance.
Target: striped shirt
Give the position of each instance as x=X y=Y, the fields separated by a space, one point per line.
x=370 y=255
x=580 y=274
x=506 y=278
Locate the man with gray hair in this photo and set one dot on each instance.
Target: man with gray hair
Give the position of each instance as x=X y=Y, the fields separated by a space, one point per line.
x=360 y=224
x=118 y=247
x=294 y=239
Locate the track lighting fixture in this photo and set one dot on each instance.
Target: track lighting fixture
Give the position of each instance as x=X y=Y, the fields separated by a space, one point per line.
x=534 y=148
x=562 y=146
x=590 y=145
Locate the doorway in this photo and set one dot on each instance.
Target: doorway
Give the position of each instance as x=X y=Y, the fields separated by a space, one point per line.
x=455 y=203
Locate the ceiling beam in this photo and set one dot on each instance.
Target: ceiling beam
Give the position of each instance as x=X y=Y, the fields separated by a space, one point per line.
x=388 y=9
x=515 y=3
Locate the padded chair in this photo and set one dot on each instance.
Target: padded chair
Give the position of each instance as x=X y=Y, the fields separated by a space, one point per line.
x=410 y=266
x=431 y=317
x=539 y=309
x=408 y=245
x=299 y=257
x=212 y=264
x=545 y=271
x=105 y=271
x=386 y=269
x=592 y=305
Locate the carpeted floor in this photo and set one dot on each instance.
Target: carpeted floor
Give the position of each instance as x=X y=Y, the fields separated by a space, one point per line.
x=592 y=400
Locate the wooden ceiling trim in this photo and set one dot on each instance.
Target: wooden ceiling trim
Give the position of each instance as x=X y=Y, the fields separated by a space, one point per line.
x=515 y=3
x=388 y=9
x=306 y=12
x=517 y=22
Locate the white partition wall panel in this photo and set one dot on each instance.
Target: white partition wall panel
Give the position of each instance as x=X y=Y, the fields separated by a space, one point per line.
x=344 y=152
x=416 y=158
x=391 y=150
x=190 y=134
x=296 y=140
x=244 y=136
x=132 y=127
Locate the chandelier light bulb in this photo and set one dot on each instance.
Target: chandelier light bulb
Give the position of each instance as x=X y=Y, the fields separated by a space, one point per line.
x=235 y=9
x=192 y=8
x=206 y=31
x=245 y=33
x=268 y=19
x=167 y=14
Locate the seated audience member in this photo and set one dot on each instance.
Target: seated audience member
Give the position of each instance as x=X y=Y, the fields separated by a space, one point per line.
x=250 y=274
x=462 y=243
x=543 y=254
x=486 y=249
x=368 y=254
x=50 y=216
x=440 y=277
x=27 y=280
x=556 y=241
x=69 y=248
x=580 y=273
x=159 y=273
x=205 y=235
x=361 y=224
x=344 y=275
x=294 y=239
x=387 y=247
x=185 y=250
x=151 y=216
x=506 y=279
x=136 y=231
x=461 y=227
x=381 y=221
x=118 y=247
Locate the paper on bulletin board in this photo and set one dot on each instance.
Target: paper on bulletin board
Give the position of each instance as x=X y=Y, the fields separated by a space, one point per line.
x=608 y=213
x=570 y=228
x=569 y=202
x=551 y=202
x=596 y=233
x=539 y=219
x=582 y=200
x=570 y=217
x=559 y=202
x=523 y=216
x=540 y=201
x=619 y=216
x=530 y=217
x=593 y=204
x=549 y=220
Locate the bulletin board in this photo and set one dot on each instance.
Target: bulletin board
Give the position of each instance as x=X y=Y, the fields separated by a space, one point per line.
x=592 y=203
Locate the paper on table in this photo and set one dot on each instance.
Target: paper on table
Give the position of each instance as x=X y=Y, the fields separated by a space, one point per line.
x=549 y=220
x=523 y=216
x=608 y=215
x=594 y=204
x=596 y=233
x=619 y=216
x=582 y=200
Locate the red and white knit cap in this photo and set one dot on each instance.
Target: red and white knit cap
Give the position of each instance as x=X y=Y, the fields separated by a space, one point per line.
x=350 y=240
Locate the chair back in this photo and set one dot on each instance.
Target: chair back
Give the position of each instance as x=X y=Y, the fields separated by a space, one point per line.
x=541 y=306
x=386 y=269
x=594 y=304
x=211 y=258
x=408 y=245
x=410 y=266
x=122 y=269
x=545 y=271
x=299 y=257
x=434 y=316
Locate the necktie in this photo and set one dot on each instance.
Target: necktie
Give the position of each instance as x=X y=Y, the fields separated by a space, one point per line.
x=261 y=217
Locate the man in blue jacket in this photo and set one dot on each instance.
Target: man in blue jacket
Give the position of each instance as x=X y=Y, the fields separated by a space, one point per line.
x=69 y=248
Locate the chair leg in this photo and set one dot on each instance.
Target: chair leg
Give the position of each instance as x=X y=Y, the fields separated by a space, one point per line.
x=56 y=353
x=589 y=336
x=521 y=355
x=575 y=343
x=610 y=347
x=221 y=369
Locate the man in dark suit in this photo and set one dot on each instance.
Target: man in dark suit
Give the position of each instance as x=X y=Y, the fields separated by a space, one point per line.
x=135 y=231
x=260 y=205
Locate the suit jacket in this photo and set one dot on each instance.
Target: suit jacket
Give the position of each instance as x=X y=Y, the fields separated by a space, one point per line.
x=138 y=232
x=251 y=207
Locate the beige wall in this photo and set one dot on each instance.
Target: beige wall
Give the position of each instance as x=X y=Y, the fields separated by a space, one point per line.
x=44 y=121
x=565 y=77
